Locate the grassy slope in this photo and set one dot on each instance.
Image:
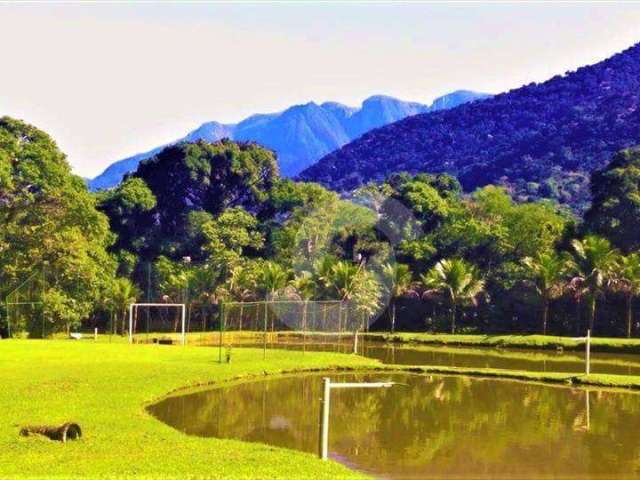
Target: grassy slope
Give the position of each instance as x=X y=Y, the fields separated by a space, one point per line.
x=615 y=345
x=104 y=388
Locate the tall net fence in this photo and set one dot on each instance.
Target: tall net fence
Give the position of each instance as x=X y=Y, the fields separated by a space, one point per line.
x=163 y=324
x=293 y=325
x=24 y=307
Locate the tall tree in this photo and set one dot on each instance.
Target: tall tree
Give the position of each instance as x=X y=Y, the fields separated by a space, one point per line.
x=627 y=280
x=593 y=263
x=615 y=207
x=240 y=286
x=129 y=207
x=207 y=177
x=548 y=273
x=305 y=288
x=397 y=281
x=355 y=286
x=343 y=278
x=230 y=237
x=119 y=296
x=272 y=279
x=322 y=268
x=48 y=216
x=457 y=281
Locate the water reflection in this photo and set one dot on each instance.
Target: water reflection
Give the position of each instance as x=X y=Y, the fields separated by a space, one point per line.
x=435 y=426
x=532 y=360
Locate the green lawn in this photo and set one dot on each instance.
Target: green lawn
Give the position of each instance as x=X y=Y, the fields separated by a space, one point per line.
x=104 y=387
x=547 y=342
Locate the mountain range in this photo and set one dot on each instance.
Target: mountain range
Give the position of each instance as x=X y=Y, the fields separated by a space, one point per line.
x=540 y=140
x=301 y=134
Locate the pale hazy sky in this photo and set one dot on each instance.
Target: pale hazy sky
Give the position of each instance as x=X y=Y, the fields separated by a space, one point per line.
x=112 y=79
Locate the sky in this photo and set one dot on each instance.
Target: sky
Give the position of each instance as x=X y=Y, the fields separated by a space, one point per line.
x=108 y=80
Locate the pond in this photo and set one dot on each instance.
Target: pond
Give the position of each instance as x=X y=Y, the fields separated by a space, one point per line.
x=431 y=426
x=513 y=359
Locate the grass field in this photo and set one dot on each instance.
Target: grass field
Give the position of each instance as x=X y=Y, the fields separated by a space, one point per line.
x=544 y=342
x=104 y=387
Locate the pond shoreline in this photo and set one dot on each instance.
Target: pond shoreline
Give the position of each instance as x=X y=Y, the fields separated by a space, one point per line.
x=513 y=341
x=608 y=382
x=449 y=409
x=532 y=342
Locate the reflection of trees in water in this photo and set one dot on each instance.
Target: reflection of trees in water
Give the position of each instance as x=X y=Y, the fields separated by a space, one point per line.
x=622 y=364
x=435 y=424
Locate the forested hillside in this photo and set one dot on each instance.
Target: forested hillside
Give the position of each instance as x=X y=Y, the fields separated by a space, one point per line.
x=214 y=222
x=541 y=140
x=248 y=233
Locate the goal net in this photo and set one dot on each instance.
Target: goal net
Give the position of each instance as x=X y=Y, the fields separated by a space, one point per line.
x=157 y=322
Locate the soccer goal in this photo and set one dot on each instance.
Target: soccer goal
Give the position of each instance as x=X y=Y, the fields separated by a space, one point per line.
x=133 y=316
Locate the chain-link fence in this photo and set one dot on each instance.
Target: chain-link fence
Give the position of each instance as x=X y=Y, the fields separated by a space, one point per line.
x=24 y=307
x=294 y=325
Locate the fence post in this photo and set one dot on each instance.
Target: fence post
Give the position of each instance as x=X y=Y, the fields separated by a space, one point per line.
x=221 y=313
x=355 y=341
x=324 y=419
x=130 y=323
x=42 y=292
x=264 y=339
x=183 y=321
x=8 y=317
x=588 y=353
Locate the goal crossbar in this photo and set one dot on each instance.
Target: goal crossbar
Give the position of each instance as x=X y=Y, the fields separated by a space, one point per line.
x=183 y=316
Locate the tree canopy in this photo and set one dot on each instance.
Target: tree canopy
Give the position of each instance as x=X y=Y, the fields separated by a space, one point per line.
x=49 y=217
x=615 y=207
x=208 y=223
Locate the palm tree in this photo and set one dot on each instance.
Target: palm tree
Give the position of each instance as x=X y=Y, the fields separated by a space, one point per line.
x=342 y=279
x=456 y=280
x=240 y=286
x=355 y=286
x=305 y=288
x=593 y=263
x=322 y=272
x=122 y=294
x=627 y=281
x=548 y=272
x=272 y=279
x=398 y=282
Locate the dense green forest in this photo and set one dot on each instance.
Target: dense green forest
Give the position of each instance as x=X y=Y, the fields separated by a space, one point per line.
x=213 y=222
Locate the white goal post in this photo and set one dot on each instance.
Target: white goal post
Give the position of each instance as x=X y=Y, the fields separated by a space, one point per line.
x=183 y=316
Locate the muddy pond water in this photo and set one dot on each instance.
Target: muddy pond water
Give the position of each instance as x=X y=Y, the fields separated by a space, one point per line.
x=429 y=427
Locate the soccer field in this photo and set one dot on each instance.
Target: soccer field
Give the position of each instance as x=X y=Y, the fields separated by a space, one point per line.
x=105 y=387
